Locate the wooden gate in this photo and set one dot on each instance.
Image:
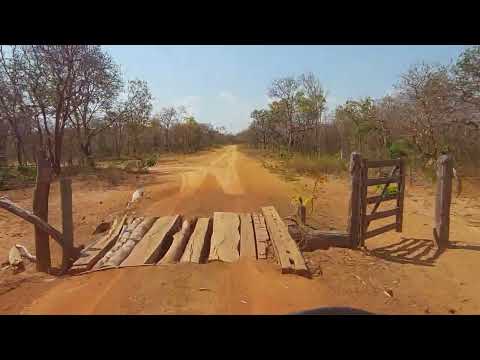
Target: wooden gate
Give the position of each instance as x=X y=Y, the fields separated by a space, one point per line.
x=396 y=176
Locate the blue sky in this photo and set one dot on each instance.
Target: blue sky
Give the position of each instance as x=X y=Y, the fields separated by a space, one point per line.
x=223 y=84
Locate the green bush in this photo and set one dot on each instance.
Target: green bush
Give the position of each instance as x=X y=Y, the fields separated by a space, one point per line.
x=392 y=189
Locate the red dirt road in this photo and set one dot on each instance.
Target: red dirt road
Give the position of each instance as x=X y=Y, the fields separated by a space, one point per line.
x=401 y=278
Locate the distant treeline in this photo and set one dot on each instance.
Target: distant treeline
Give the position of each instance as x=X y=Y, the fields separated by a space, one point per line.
x=72 y=102
x=433 y=109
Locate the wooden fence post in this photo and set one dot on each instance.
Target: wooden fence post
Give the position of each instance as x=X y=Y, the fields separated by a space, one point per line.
x=353 y=226
x=443 y=200
x=400 y=196
x=67 y=221
x=40 y=208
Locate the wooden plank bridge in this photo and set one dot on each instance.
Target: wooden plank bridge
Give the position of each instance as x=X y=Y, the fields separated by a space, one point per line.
x=135 y=241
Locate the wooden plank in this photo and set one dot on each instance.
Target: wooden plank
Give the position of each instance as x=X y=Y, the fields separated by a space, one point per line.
x=401 y=196
x=179 y=242
x=354 y=218
x=225 y=237
x=382 y=214
x=291 y=259
x=94 y=252
x=382 y=163
x=443 y=200
x=247 y=237
x=261 y=235
x=125 y=233
x=380 y=198
x=384 y=190
x=67 y=222
x=156 y=241
x=198 y=245
x=385 y=180
x=126 y=246
x=380 y=230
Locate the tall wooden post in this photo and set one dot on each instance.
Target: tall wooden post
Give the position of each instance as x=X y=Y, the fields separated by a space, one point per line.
x=40 y=208
x=354 y=218
x=443 y=200
x=400 y=196
x=67 y=221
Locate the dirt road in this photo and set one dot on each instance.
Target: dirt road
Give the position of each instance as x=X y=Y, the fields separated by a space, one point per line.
x=399 y=275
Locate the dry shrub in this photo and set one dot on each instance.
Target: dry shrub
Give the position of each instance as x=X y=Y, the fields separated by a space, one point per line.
x=316 y=165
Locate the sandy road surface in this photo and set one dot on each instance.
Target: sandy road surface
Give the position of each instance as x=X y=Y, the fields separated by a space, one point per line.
x=400 y=275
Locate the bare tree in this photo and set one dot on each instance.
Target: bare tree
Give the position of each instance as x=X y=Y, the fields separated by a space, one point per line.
x=285 y=91
x=99 y=86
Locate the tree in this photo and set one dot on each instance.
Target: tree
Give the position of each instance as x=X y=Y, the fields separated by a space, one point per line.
x=13 y=108
x=285 y=91
x=100 y=84
x=170 y=116
x=137 y=109
x=52 y=83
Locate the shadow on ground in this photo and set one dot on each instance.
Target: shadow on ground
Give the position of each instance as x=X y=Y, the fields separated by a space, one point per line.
x=414 y=251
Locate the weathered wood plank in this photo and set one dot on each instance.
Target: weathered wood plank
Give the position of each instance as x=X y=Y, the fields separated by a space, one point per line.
x=382 y=163
x=156 y=241
x=380 y=230
x=261 y=235
x=180 y=240
x=291 y=259
x=247 y=237
x=127 y=246
x=382 y=214
x=198 y=245
x=380 y=198
x=94 y=252
x=127 y=230
x=385 y=180
x=225 y=237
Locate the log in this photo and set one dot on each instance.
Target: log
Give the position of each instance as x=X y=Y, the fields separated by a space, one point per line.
x=225 y=237
x=290 y=257
x=155 y=242
x=67 y=222
x=95 y=251
x=198 y=245
x=318 y=239
x=261 y=235
x=132 y=240
x=443 y=200
x=10 y=206
x=247 y=237
x=180 y=240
